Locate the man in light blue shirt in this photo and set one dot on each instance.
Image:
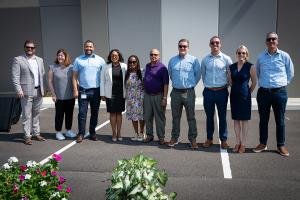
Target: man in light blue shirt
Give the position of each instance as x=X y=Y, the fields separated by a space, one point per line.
x=184 y=71
x=275 y=70
x=214 y=76
x=86 y=85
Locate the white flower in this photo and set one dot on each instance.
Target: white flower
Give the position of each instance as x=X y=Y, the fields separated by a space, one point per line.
x=64 y=199
x=6 y=166
x=27 y=176
x=43 y=183
x=55 y=194
x=31 y=163
x=12 y=160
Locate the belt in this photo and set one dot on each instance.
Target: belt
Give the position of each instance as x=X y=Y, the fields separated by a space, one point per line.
x=272 y=90
x=154 y=94
x=217 y=88
x=183 y=90
x=37 y=87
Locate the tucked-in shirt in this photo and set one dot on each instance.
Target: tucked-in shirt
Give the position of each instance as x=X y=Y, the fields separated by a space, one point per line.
x=35 y=67
x=89 y=69
x=184 y=71
x=155 y=77
x=62 y=81
x=214 y=70
x=274 y=70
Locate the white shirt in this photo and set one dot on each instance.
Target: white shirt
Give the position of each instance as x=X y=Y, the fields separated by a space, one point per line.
x=35 y=67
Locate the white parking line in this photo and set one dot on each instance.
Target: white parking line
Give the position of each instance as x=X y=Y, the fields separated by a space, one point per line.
x=72 y=144
x=43 y=108
x=287 y=117
x=224 y=157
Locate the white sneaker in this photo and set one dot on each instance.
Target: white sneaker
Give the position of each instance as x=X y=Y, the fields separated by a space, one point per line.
x=87 y=134
x=60 y=136
x=70 y=134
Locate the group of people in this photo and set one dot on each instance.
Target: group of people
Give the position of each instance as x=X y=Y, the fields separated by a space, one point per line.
x=144 y=93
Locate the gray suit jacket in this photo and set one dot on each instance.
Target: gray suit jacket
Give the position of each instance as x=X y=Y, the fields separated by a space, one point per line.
x=22 y=75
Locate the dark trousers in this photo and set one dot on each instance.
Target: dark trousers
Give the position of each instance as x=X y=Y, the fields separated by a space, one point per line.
x=64 y=108
x=277 y=100
x=92 y=98
x=211 y=99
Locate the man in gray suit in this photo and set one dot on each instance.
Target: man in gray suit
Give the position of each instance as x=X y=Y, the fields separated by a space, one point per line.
x=27 y=77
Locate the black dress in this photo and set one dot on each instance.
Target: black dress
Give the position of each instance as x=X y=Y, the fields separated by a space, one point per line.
x=240 y=94
x=117 y=102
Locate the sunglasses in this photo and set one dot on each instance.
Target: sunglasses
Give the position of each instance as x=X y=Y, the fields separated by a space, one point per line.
x=271 y=39
x=131 y=62
x=214 y=43
x=27 y=47
x=153 y=54
x=182 y=46
x=241 y=53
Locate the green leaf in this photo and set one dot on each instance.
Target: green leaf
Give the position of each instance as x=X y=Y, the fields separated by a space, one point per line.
x=172 y=195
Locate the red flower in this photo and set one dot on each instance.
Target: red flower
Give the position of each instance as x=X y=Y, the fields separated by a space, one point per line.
x=23 y=168
x=59 y=187
x=57 y=157
x=16 y=188
x=22 y=177
x=44 y=173
x=61 y=179
x=54 y=173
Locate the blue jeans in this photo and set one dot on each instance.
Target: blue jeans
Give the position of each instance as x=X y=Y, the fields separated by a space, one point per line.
x=211 y=99
x=92 y=98
x=277 y=99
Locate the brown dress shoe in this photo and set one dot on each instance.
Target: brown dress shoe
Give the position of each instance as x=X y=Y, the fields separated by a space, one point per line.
x=172 y=142
x=283 y=151
x=38 y=138
x=242 y=149
x=28 y=141
x=161 y=141
x=93 y=137
x=224 y=145
x=148 y=139
x=79 y=138
x=194 y=145
x=207 y=143
x=260 y=148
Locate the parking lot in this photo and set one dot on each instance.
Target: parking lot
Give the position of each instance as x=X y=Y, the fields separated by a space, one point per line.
x=194 y=174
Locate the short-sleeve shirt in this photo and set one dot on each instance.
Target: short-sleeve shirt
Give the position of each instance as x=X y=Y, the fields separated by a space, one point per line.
x=156 y=76
x=62 y=81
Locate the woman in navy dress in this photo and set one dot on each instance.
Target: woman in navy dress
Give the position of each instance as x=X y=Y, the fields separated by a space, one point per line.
x=240 y=95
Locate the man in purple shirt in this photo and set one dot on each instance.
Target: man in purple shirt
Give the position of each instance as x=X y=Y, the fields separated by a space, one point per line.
x=156 y=83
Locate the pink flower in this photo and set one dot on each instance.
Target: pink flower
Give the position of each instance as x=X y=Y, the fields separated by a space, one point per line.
x=61 y=179
x=54 y=173
x=44 y=173
x=57 y=157
x=68 y=190
x=16 y=188
x=38 y=171
x=23 y=168
x=22 y=177
x=59 y=187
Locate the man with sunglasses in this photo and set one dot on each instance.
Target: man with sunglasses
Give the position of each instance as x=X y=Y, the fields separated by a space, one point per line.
x=275 y=70
x=214 y=76
x=28 y=80
x=156 y=83
x=184 y=71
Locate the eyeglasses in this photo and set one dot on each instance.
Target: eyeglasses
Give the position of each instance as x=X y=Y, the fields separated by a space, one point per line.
x=27 y=47
x=240 y=53
x=182 y=46
x=154 y=54
x=214 y=43
x=131 y=62
x=271 y=39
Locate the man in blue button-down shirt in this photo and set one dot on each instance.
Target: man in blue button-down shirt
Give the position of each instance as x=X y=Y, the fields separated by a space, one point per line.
x=86 y=85
x=184 y=71
x=214 y=76
x=275 y=70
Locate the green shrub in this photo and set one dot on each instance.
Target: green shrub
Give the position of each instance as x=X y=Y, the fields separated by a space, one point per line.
x=138 y=178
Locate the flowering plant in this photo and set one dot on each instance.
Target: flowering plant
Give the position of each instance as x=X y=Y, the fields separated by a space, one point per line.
x=32 y=181
x=138 y=178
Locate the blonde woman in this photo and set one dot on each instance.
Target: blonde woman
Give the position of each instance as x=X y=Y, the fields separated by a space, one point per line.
x=240 y=95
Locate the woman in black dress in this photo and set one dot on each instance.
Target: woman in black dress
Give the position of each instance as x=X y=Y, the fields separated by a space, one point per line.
x=112 y=90
x=240 y=95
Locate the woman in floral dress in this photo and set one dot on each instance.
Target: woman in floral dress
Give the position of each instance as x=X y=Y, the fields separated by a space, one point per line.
x=135 y=96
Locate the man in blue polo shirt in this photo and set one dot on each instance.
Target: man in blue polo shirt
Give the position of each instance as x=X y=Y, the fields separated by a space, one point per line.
x=86 y=85
x=275 y=70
